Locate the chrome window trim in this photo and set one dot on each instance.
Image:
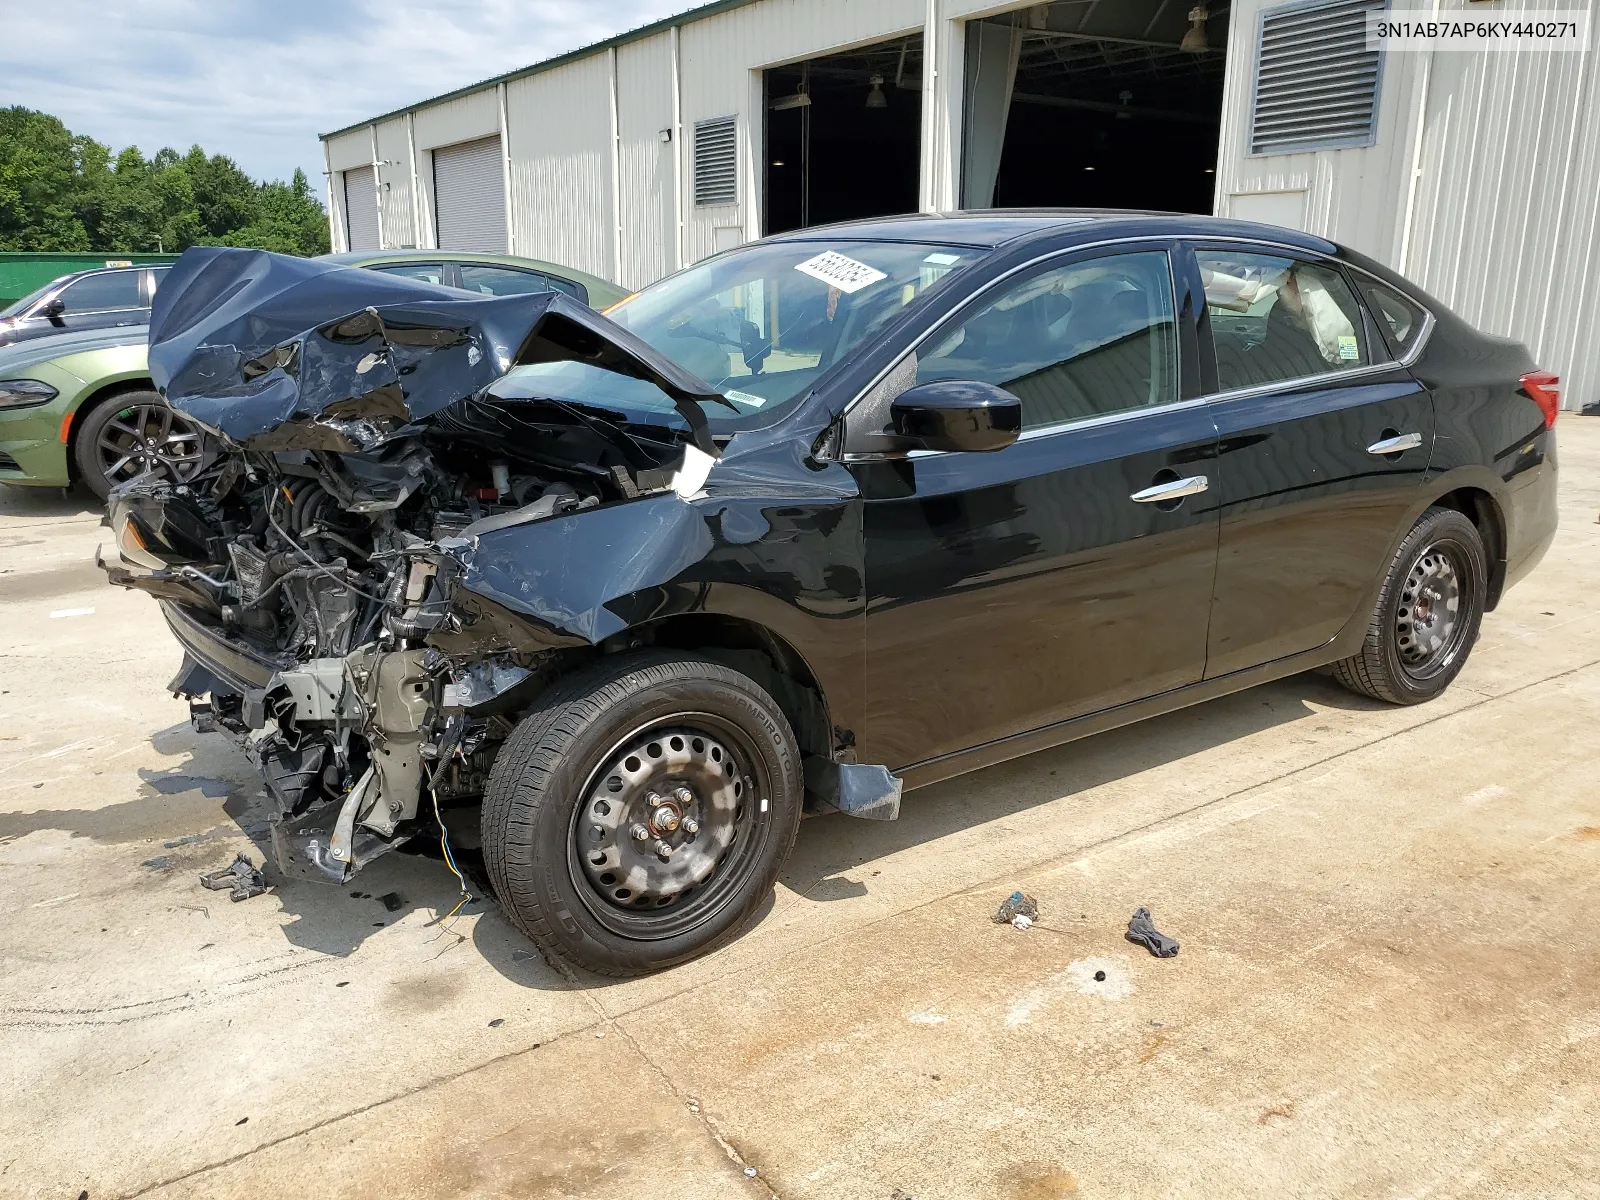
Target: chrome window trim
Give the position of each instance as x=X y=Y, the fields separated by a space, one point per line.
x=1195 y=243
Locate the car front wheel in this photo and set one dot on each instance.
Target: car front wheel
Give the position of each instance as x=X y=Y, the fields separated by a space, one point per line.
x=1427 y=615
x=641 y=812
x=133 y=434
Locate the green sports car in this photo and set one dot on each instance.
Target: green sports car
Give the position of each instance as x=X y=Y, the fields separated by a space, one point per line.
x=80 y=406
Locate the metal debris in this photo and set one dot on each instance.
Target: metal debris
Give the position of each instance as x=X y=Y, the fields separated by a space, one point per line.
x=1142 y=931
x=241 y=878
x=1017 y=905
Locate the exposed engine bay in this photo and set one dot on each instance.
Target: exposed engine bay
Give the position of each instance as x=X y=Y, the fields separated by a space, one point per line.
x=315 y=573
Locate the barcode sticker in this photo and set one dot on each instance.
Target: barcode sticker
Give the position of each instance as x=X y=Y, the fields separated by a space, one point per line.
x=844 y=273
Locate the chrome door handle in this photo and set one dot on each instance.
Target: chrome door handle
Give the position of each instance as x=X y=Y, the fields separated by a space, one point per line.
x=1175 y=489
x=1395 y=445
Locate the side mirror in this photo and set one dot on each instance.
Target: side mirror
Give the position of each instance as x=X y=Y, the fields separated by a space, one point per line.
x=54 y=309
x=957 y=414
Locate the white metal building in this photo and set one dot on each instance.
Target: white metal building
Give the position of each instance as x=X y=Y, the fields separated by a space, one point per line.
x=1476 y=174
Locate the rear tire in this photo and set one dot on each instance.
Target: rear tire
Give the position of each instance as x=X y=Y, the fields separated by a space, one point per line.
x=1427 y=616
x=697 y=756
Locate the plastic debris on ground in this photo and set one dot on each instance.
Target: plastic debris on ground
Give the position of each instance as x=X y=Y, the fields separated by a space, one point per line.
x=240 y=878
x=1021 y=921
x=1142 y=931
x=1017 y=905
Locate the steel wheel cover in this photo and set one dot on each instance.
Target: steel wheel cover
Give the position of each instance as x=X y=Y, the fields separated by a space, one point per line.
x=1429 y=629
x=692 y=784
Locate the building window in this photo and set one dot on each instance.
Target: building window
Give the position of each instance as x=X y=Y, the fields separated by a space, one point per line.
x=1316 y=81
x=716 y=161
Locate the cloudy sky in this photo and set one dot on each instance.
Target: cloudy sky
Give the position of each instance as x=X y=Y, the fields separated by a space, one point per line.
x=259 y=81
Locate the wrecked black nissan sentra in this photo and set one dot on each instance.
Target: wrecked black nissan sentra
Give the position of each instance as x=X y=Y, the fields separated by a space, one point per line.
x=822 y=517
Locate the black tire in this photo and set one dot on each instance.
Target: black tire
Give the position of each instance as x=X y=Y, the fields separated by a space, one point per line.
x=180 y=452
x=568 y=758
x=1409 y=658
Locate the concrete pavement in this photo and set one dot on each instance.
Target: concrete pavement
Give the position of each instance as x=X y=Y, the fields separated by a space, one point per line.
x=1388 y=983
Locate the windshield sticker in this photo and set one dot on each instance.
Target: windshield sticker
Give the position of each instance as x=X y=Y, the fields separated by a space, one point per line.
x=1349 y=351
x=846 y=274
x=745 y=398
x=941 y=260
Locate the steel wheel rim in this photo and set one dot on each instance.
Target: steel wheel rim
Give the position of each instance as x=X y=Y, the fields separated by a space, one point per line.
x=1430 y=625
x=733 y=819
x=148 y=438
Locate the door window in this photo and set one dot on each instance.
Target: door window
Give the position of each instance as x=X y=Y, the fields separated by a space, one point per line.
x=423 y=272
x=1071 y=342
x=501 y=281
x=102 y=293
x=1275 y=318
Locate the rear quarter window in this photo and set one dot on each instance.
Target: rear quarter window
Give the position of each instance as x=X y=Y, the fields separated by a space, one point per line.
x=1400 y=320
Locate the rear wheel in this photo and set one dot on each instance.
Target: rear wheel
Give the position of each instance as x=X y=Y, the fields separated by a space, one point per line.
x=1427 y=615
x=641 y=812
x=133 y=434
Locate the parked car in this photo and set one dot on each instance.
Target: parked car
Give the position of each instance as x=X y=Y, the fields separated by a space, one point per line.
x=104 y=298
x=822 y=518
x=81 y=406
x=85 y=408
x=486 y=274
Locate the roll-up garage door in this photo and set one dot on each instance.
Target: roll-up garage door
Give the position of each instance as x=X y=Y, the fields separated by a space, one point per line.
x=361 y=209
x=470 y=195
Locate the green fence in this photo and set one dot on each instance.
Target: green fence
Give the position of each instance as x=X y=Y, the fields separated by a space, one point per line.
x=21 y=273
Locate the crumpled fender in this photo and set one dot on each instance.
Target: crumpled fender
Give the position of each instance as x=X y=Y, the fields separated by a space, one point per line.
x=770 y=539
x=279 y=352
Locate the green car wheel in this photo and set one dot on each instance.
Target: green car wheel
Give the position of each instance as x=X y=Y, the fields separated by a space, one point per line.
x=134 y=434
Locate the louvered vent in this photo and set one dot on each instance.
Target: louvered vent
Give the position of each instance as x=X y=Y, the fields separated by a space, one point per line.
x=716 y=161
x=1316 y=81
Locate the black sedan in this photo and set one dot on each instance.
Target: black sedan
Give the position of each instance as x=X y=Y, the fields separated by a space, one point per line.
x=820 y=519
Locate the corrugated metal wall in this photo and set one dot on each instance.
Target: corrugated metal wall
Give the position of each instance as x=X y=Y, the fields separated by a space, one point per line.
x=1508 y=200
x=561 y=165
x=1505 y=213
x=394 y=185
x=649 y=189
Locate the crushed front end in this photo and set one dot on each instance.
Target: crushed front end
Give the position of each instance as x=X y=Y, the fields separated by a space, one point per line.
x=318 y=575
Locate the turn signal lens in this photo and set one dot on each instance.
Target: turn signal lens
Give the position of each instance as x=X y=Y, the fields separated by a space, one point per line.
x=128 y=537
x=1544 y=387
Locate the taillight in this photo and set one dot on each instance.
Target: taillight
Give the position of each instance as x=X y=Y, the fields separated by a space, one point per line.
x=1545 y=389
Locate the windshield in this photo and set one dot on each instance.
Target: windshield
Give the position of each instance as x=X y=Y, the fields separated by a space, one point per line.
x=18 y=307
x=760 y=324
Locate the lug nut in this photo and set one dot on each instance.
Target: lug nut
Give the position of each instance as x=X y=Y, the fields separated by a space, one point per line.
x=664 y=850
x=683 y=796
x=640 y=833
x=691 y=826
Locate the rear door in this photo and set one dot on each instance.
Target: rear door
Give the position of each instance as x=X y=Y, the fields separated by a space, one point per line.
x=1323 y=445
x=1071 y=571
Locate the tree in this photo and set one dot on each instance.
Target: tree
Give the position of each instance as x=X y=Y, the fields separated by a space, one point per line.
x=63 y=192
x=40 y=183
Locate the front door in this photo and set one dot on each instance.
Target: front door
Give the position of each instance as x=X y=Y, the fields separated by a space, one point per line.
x=1071 y=571
x=1323 y=446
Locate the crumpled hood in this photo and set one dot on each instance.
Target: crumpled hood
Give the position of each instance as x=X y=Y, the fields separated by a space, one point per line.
x=277 y=352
